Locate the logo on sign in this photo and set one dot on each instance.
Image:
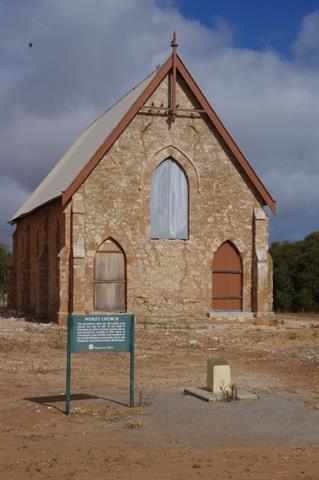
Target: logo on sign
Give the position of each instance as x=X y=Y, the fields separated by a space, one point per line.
x=91 y=346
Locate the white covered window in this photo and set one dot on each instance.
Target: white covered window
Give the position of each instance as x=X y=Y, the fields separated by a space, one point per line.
x=169 y=210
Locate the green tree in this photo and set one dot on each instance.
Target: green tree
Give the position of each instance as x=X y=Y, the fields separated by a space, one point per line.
x=308 y=274
x=296 y=274
x=283 y=285
x=5 y=260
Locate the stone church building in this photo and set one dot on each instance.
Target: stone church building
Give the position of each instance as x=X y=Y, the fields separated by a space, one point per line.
x=153 y=210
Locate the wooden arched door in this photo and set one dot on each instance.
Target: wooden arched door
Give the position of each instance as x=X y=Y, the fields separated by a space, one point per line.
x=110 y=278
x=227 y=278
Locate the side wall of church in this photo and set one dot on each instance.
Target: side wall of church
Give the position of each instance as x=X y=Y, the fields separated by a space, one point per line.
x=34 y=273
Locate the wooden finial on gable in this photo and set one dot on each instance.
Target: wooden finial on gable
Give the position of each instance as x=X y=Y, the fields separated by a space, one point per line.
x=174 y=45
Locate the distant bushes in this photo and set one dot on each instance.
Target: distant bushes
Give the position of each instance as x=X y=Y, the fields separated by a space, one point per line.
x=296 y=275
x=5 y=259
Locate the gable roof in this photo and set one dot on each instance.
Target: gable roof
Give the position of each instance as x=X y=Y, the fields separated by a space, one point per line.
x=83 y=156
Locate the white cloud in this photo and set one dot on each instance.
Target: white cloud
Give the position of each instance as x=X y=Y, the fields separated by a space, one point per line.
x=12 y=194
x=307 y=40
x=87 y=54
x=34 y=143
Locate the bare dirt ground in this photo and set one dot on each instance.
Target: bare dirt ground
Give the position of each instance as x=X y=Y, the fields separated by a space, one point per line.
x=168 y=435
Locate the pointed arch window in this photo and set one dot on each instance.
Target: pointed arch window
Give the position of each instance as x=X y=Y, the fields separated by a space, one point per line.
x=109 y=278
x=169 y=204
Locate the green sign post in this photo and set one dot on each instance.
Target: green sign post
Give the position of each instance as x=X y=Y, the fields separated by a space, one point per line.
x=99 y=333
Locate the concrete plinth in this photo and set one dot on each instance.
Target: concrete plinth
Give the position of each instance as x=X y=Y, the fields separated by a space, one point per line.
x=231 y=314
x=203 y=394
x=218 y=375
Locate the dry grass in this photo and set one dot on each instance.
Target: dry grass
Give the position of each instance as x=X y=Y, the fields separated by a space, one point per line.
x=57 y=339
x=292 y=336
x=145 y=397
x=229 y=395
x=29 y=328
x=42 y=368
x=133 y=422
x=10 y=367
x=110 y=414
x=7 y=345
x=17 y=344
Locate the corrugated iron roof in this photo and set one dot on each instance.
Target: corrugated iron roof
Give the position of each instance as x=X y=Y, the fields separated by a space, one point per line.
x=78 y=155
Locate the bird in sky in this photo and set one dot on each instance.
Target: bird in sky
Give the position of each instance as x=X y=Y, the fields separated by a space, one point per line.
x=30 y=44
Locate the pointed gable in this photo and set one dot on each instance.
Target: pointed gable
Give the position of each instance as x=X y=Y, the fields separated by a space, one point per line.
x=85 y=154
x=218 y=126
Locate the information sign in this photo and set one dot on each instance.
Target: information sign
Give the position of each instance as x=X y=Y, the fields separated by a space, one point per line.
x=100 y=333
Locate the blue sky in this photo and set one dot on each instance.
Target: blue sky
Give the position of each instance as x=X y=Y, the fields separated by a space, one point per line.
x=256 y=62
x=257 y=24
